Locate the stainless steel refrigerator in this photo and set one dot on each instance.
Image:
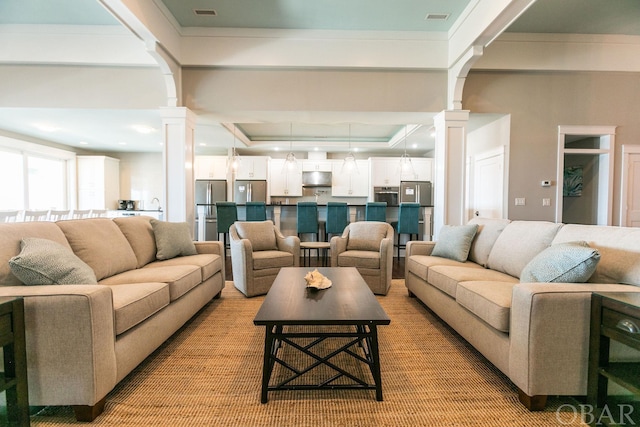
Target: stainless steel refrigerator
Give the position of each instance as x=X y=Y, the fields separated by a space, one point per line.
x=416 y=192
x=208 y=192
x=249 y=191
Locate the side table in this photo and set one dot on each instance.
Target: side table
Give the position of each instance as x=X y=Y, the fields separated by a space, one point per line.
x=13 y=381
x=614 y=316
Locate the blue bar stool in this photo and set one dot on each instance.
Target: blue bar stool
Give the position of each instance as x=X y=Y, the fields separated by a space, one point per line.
x=408 y=223
x=256 y=211
x=337 y=218
x=226 y=215
x=375 y=211
x=307 y=223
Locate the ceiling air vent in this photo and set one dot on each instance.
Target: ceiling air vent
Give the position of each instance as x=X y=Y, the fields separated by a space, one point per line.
x=205 y=12
x=436 y=17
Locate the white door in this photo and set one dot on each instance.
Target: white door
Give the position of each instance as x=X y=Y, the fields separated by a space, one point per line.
x=632 y=193
x=488 y=185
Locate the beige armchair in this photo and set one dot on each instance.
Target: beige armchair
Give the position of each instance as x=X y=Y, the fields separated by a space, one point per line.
x=258 y=252
x=368 y=246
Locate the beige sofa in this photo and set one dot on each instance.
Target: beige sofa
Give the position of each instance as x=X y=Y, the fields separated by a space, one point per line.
x=82 y=339
x=535 y=333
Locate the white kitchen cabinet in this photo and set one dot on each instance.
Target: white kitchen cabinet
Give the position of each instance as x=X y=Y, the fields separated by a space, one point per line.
x=316 y=165
x=385 y=171
x=284 y=181
x=210 y=167
x=98 y=182
x=253 y=167
x=422 y=170
x=355 y=184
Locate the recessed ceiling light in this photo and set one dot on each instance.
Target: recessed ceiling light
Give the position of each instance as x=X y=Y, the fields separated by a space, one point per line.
x=143 y=129
x=436 y=17
x=315 y=148
x=122 y=143
x=202 y=144
x=46 y=127
x=205 y=12
x=414 y=145
x=276 y=149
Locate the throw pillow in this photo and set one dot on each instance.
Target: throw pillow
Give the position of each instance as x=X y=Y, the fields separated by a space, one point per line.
x=172 y=239
x=454 y=241
x=45 y=262
x=572 y=262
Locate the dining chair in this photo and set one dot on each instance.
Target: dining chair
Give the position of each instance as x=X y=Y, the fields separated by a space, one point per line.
x=57 y=215
x=408 y=223
x=35 y=215
x=375 y=211
x=9 y=216
x=81 y=213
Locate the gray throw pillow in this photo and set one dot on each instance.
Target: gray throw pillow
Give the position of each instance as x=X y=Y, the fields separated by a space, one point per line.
x=454 y=241
x=45 y=262
x=172 y=239
x=571 y=262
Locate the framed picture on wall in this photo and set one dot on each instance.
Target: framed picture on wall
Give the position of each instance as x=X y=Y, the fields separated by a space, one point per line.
x=572 y=183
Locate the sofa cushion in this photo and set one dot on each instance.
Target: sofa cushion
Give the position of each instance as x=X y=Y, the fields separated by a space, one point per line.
x=135 y=303
x=210 y=263
x=139 y=234
x=100 y=243
x=488 y=231
x=366 y=235
x=420 y=264
x=518 y=243
x=447 y=277
x=12 y=235
x=571 y=262
x=180 y=278
x=361 y=259
x=270 y=259
x=454 y=241
x=490 y=301
x=619 y=249
x=45 y=262
x=172 y=239
x=261 y=234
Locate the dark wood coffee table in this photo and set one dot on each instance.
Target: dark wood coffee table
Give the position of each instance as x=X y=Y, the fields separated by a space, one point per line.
x=348 y=302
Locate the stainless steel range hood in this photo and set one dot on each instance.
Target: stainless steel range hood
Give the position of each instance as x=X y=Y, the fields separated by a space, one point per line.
x=316 y=179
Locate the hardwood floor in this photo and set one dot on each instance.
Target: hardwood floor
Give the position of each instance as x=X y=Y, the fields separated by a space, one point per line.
x=398 y=267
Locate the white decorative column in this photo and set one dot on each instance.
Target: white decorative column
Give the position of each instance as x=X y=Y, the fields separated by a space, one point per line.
x=178 y=124
x=449 y=173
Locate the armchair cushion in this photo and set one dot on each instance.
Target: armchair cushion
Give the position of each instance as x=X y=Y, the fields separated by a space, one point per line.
x=362 y=259
x=271 y=259
x=260 y=233
x=366 y=236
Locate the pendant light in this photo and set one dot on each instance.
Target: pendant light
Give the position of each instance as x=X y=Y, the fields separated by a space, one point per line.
x=406 y=167
x=349 y=164
x=290 y=161
x=233 y=161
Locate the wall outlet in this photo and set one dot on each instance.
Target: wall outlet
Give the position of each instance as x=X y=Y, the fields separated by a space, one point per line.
x=520 y=201
x=546 y=202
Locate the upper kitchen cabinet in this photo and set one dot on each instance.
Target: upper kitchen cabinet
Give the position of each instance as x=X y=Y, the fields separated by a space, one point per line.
x=253 y=167
x=385 y=171
x=309 y=165
x=210 y=167
x=422 y=170
x=284 y=181
x=98 y=182
x=350 y=184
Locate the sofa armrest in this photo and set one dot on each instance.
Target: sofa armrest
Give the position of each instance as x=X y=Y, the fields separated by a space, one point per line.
x=419 y=247
x=549 y=336
x=70 y=338
x=210 y=247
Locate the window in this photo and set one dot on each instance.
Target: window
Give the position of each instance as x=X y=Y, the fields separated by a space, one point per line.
x=34 y=176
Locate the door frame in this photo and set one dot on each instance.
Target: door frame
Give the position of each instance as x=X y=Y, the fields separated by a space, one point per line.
x=627 y=150
x=607 y=135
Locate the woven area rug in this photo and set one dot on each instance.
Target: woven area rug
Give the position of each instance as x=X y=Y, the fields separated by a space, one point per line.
x=209 y=374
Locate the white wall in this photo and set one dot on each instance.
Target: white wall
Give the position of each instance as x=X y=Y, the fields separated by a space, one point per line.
x=141 y=177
